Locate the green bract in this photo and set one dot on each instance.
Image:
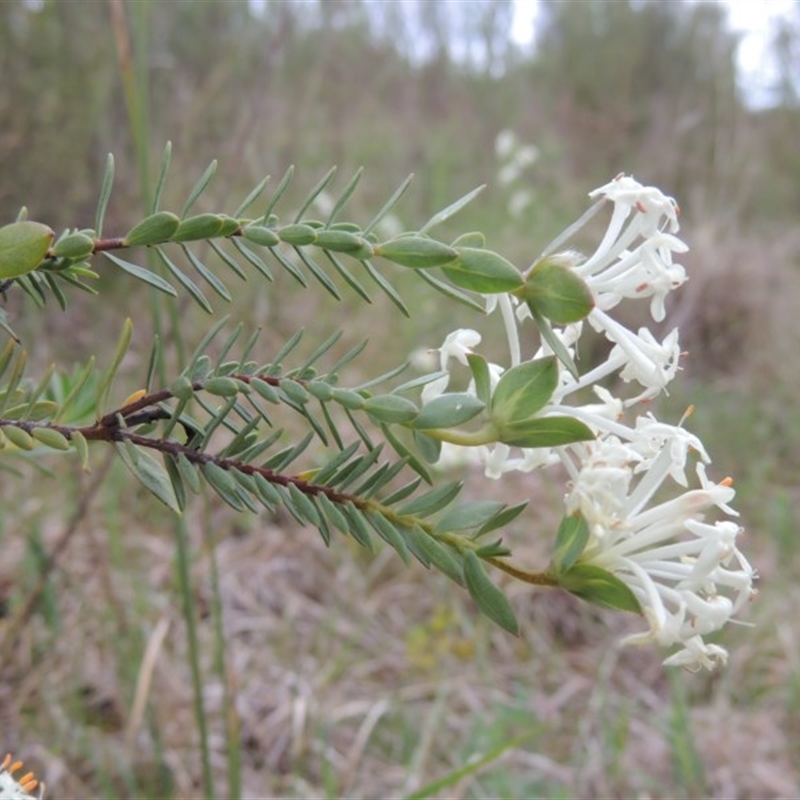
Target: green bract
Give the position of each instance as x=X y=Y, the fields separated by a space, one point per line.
x=599 y=587
x=543 y=432
x=573 y=533
x=23 y=245
x=556 y=292
x=524 y=390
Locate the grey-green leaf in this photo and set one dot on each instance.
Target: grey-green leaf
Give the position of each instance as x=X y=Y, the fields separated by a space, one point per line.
x=151 y=473
x=489 y=599
x=573 y=533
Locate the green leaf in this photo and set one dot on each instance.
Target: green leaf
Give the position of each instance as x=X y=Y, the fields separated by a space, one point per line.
x=152 y=474
x=481 y=375
x=223 y=483
x=199 y=187
x=333 y=513
x=454 y=294
x=573 y=533
x=251 y=197
x=51 y=438
x=185 y=281
x=358 y=528
x=452 y=209
x=554 y=342
x=489 y=599
x=416 y=252
x=388 y=205
x=389 y=533
x=260 y=235
x=158 y=227
x=482 y=271
x=405 y=453
x=436 y=554
x=105 y=194
x=297 y=234
x=342 y=242
x=557 y=293
x=315 y=192
x=432 y=501
x=503 y=518
x=32 y=411
x=524 y=390
x=18 y=437
x=75 y=246
x=162 y=177
x=429 y=448
x=142 y=274
x=599 y=587
x=448 y=410
x=23 y=245
x=544 y=432
x=222 y=387
x=295 y=391
x=391 y=408
x=471 y=239
x=201 y=226
x=81 y=447
x=468 y=515
x=346 y=194
x=106 y=379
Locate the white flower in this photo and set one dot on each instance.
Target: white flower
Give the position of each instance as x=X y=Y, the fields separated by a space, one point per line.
x=687 y=574
x=457 y=345
x=21 y=788
x=639 y=357
x=634 y=259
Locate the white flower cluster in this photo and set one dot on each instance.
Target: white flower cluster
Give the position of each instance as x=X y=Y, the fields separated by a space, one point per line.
x=687 y=574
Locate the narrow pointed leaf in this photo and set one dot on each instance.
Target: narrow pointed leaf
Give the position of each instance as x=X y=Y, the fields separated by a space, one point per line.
x=452 y=209
x=150 y=473
x=142 y=274
x=489 y=599
x=199 y=187
x=571 y=539
x=105 y=194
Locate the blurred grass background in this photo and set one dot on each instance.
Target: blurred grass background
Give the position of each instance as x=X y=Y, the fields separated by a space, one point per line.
x=332 y=673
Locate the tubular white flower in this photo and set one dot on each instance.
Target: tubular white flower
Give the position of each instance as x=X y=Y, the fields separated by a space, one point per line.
x=457 y=345
x=687 y=574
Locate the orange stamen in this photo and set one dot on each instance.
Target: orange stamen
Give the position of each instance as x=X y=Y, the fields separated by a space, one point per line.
x=28 y=782
x=6 y=761
x=726 y=482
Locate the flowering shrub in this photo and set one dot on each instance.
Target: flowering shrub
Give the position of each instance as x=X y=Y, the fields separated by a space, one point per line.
x=686 y=575
x=215 y=425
